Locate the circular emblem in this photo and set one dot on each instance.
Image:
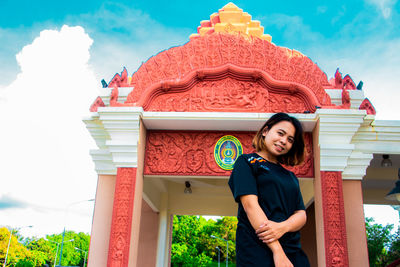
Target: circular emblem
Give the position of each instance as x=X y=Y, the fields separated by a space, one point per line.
x=226 y=151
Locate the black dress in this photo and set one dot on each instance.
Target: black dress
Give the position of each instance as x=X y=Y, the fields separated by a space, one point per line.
x=279 y=197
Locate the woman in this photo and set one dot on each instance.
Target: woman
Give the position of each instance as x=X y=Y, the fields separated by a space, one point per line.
x=271 y=210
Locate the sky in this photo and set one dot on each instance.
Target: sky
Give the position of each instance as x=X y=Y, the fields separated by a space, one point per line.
x=53 y=55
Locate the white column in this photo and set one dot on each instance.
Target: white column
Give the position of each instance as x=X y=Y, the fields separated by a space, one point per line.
x=163 y=237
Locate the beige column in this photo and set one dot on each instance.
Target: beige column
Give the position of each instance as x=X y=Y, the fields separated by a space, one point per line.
x=101 y=225
x=355 y=223
x=148 y=237
x=319 y=217
x=308 y=237
x=137 y=211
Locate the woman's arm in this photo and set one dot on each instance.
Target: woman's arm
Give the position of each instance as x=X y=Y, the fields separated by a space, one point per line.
x=257 y=217
x=271 y=231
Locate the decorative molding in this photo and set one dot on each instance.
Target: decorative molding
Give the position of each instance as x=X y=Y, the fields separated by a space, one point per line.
x=192 y=153
x=116 y=132
x=346 y=83
x=357 y=165
x=124 y=152
x=231 y=19
x=338 y=126
x=96 y=104
x=96 y=130
x=337 y=129
x=118 y=252
x=217 y=121
x=336 y=252
x=223 y=91
x=367 y=105
x=103 y=161
x=333 y=157
x=121 y=123
x=187 y=153
x=120 y=80
x=219 y=49
x=376 y=136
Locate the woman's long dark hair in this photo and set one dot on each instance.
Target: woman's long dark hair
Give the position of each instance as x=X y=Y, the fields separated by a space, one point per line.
x=295 y=156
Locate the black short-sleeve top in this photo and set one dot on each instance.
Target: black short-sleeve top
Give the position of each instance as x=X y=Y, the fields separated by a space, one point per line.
x=278 y=194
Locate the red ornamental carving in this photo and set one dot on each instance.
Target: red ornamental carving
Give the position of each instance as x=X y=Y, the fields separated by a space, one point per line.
x=230 y=95
x=96 y=104
x=120 y=80
x=118 y=252
x=334 y=221
x=348 y=83
x=342 y=83
x=367 y=105
x=306 y=169
x=178 y=65
x=192 y=153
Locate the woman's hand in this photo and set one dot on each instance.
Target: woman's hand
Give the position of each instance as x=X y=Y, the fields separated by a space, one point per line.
x=270 y=231
x=281 y=260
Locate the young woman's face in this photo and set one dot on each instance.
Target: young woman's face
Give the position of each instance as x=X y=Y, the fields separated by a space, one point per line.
x=279 y=139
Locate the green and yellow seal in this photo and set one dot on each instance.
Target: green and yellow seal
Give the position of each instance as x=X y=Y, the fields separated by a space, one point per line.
x=226 y=151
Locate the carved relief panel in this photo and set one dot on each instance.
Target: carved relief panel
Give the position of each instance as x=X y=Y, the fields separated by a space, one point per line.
x=227 y=95
x=192 y=153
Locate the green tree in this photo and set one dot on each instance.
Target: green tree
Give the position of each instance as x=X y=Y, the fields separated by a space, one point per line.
x=224 y=228
x=188 y=248
x=394 y=249
x=16 y=250
x=37 y=252
x=192 y=244
x=70 y=255
x=382 y=244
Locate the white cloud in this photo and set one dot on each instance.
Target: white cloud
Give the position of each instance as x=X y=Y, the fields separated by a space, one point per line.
x=125 y=37
x=44 y=144
x=384 y=6
x=375 y=62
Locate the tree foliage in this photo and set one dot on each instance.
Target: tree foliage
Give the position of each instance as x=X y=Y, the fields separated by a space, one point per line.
x=34 y=252
x=192 y=244
x=383 y=246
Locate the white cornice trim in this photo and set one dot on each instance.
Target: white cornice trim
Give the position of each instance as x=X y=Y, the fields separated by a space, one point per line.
x=357 y=165
x=96 y=130
x=103 y=162
x=336 y=130
x=216 y=121
x=382 y=137
x=124 y=153
x=116 y=132
x=334 y=156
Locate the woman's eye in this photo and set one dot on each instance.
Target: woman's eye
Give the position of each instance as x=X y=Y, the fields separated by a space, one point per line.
x=290 y=140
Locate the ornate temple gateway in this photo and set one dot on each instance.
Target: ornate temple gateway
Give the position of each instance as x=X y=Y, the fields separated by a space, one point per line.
x=168 y=135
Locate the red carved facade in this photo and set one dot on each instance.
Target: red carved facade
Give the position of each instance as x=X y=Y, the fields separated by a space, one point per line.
x=118 y=252
x=229 y=95
x=219 y=49
x=120 y=80
x=192 y=153
x=342 y=83
x=96 y=104
x=336 y=252
x=367 y=105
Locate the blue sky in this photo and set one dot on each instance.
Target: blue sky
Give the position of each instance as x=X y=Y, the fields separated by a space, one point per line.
x=46 y=68
x=143 y=28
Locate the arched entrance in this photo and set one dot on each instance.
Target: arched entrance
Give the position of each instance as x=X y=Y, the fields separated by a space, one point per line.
x=158 y=128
